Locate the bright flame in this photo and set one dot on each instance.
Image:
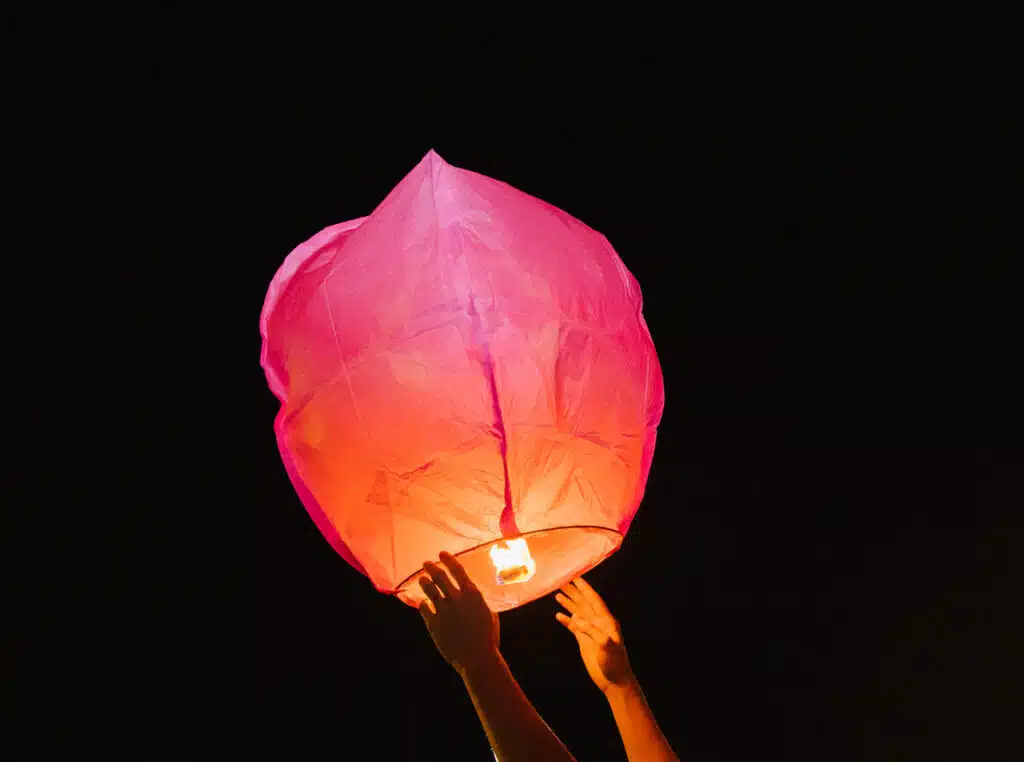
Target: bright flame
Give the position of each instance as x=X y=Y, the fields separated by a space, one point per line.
x=512 y=561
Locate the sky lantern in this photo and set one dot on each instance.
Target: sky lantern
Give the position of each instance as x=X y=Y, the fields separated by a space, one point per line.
x=466 y=369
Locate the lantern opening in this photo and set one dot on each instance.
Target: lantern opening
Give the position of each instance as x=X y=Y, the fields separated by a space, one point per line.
x=535 y=564
x=512 y=561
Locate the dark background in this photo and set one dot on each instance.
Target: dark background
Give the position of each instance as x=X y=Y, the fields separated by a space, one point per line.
x=823 y=213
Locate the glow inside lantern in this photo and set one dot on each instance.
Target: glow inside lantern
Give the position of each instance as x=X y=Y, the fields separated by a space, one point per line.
x=466 y=369
x=512 y=561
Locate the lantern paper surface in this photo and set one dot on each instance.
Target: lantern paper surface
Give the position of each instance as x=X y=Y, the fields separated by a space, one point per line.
x=466 y=365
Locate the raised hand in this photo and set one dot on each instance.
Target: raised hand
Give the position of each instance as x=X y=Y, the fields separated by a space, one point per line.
x=462 y=626
x=597 y=633
x=465 y=631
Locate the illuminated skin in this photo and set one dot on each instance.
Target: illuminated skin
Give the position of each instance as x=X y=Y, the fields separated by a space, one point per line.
x=465 y=632
x=604 y=655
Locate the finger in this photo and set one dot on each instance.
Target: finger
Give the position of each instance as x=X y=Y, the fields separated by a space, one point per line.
x=587 y=618
x=567 y=603
x=458 y=571
x=586 y=626
x=569 y=624
x=590 y=595
x=440 y=578
x=427 y=611
x=576 y=627
x=430 y=590
x=601 y=617
x=575 y=594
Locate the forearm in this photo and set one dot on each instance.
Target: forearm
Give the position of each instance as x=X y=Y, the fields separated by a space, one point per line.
x=514 y=728
x=640 y=733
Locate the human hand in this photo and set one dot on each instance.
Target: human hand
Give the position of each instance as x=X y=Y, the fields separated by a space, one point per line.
x=459 y=621
x=597 y=633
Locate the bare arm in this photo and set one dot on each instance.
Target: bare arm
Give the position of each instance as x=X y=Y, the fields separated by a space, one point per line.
x=514 y=728
x=640 y=733
x=604 y=655
x=465 y=631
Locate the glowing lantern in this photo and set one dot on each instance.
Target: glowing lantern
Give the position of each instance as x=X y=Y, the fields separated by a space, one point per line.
x=467 y=369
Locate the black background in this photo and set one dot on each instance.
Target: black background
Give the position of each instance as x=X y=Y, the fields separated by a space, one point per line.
x=824 y=215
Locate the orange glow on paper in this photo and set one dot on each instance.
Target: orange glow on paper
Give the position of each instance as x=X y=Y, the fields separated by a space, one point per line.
x=465 y=368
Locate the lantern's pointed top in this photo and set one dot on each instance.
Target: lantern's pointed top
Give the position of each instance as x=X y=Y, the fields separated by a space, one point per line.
x=442 y=178
x=434 y=159
x=431 y=166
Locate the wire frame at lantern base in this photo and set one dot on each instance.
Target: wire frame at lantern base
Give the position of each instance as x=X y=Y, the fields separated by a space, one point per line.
x=560 y=554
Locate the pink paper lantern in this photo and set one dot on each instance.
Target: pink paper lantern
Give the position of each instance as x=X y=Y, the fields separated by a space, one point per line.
x=466 y=366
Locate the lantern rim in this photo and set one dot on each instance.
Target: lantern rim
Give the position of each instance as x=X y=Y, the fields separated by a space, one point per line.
x=403 y=585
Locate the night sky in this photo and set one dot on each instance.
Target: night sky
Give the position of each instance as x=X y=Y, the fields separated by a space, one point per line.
x=823 y=215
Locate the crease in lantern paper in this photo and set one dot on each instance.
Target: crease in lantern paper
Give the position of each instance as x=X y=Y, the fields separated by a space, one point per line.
x=506 y=520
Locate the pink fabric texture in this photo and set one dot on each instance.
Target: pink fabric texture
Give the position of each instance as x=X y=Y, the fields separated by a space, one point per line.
x=466 y=364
